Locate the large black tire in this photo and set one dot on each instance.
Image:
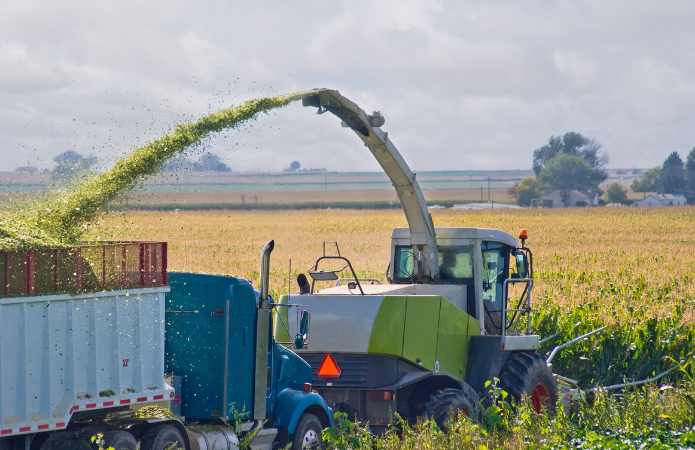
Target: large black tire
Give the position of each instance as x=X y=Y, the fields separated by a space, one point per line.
x=308 y=434
x=120 y=440
x=528 y=374
x=162 y=437
x=445 y=405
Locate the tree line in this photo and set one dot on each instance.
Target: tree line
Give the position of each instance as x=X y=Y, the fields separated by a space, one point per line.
x=574 y=162
x=673 y=177
x=566 y=163
x=71 y=163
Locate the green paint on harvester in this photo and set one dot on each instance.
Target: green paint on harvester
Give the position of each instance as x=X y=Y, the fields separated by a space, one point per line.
x=452 y=341
x=387 y=331
x=421 y=325
x=281 y=322
x=63 y=219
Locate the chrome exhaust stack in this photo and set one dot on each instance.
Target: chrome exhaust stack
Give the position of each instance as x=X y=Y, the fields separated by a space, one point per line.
x=265 y=274
x=262 y=336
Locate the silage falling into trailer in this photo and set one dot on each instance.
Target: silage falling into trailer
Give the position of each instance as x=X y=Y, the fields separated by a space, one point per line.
x=62 y=219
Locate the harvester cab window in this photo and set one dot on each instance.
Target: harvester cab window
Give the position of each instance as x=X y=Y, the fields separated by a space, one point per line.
x=403 y=263
x=495 y=269
x=455 y=262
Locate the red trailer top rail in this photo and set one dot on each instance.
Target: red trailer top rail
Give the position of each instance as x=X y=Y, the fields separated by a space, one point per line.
x=87 y=268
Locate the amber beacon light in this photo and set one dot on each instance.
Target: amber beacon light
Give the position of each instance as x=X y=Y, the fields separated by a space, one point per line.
x=523 y=235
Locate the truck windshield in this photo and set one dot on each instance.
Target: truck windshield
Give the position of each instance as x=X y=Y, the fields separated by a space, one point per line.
x=455 y=262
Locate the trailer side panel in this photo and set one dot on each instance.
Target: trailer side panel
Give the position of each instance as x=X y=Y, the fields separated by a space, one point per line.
x=65 y=353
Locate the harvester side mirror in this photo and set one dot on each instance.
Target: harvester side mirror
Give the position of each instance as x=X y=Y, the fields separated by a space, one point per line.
x=302 y=337
x=522 y=265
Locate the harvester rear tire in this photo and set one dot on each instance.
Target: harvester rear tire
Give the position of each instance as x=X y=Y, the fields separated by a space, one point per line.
x=447 y=404
x=528 y=374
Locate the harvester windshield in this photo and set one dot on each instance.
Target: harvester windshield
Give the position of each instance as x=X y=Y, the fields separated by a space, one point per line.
x=455 y=262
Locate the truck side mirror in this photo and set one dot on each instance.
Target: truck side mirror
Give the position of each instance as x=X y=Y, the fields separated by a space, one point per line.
x=522 y=265
x=302 y=338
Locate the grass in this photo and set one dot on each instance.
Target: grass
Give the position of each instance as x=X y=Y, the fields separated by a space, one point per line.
x=650 y=418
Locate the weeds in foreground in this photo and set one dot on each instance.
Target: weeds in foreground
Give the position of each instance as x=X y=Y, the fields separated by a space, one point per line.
x=98 y=439
x=651 y=417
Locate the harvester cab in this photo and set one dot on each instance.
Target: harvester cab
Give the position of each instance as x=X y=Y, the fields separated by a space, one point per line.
x=486 y=286
x=453 y=315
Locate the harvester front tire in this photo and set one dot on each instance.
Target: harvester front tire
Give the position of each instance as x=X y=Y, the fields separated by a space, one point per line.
x=308 y=434
x=528 y=374
x=165 y=437
x=445 y=405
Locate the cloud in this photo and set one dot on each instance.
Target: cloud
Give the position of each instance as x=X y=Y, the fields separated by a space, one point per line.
x=463 y=85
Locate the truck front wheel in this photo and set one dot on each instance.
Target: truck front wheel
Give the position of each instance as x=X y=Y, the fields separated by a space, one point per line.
x=165 y=437
x=528 y=373
x=447 y=404
x=308 y=434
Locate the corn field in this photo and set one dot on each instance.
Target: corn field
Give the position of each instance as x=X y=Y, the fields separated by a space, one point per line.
x=628 y=268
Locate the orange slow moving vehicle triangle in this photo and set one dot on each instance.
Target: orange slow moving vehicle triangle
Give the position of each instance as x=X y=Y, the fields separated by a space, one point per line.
x=329 y=368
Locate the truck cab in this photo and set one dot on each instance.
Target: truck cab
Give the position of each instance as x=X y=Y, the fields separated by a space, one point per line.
x=230 y=369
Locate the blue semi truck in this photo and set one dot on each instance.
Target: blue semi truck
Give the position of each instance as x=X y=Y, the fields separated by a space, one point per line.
x=219 y=342
x=80 y=357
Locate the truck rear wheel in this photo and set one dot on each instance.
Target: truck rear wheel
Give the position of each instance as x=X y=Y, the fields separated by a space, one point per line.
x=164 y=437
x=308 y=434
x=120 y=440
x=528 y=373
x=447 y=404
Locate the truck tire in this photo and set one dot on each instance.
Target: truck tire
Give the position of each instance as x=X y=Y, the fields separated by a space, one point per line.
x=120 y=440
x=308 y=434
x=446 y=404
x=527 y=373
x=163 y=437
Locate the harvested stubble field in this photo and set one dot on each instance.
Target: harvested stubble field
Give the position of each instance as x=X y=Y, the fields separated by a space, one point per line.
x=629 y=268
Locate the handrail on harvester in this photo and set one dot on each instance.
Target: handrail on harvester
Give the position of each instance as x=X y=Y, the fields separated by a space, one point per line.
x=422 y=233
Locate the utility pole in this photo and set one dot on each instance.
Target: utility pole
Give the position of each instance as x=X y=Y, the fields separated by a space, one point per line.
x=488 y=189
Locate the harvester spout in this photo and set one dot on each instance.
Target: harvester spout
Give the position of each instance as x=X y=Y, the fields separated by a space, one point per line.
x=422 y=233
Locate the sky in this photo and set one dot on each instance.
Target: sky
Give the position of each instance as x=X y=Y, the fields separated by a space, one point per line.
x=462 y=85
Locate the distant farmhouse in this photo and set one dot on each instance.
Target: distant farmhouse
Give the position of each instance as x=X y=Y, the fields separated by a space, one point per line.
x=26 y=169
x=662 y=200
x=553 y=199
